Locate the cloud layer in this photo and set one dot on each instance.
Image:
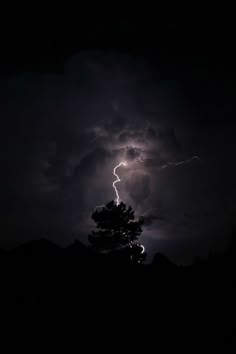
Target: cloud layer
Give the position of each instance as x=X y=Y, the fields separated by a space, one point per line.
x=70 y=131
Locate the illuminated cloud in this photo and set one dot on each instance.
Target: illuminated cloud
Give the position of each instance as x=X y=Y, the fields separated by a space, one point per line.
x=69 y=131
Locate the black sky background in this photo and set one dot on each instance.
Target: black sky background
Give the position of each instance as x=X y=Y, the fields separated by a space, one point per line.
x=73 y=97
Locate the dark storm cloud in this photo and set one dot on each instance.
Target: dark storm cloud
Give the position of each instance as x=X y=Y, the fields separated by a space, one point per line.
x=66 y=133
x=150 y=219
x=138 y=186
x=168 y=141
x=133 y=153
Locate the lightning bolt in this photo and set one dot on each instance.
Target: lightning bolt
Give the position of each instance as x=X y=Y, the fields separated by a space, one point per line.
x=143 y=249
x=169 y=164
x=124 y=163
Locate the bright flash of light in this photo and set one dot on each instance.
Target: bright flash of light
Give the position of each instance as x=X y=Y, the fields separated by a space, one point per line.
x=124 y=163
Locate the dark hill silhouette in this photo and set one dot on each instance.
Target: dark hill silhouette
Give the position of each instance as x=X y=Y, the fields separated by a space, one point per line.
x=37 y=247
x=41 y=276
x=77 y=247
x=162 y=262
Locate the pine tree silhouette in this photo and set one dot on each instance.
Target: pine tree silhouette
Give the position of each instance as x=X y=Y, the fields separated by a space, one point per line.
x=117 y=230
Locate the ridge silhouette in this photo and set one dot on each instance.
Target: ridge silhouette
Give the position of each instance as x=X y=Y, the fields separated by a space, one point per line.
x=44 y=277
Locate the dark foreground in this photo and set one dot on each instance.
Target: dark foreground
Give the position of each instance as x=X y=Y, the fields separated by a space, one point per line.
x=108 y=299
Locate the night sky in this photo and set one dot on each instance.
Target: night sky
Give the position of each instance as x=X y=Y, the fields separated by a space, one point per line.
x=77 y=98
